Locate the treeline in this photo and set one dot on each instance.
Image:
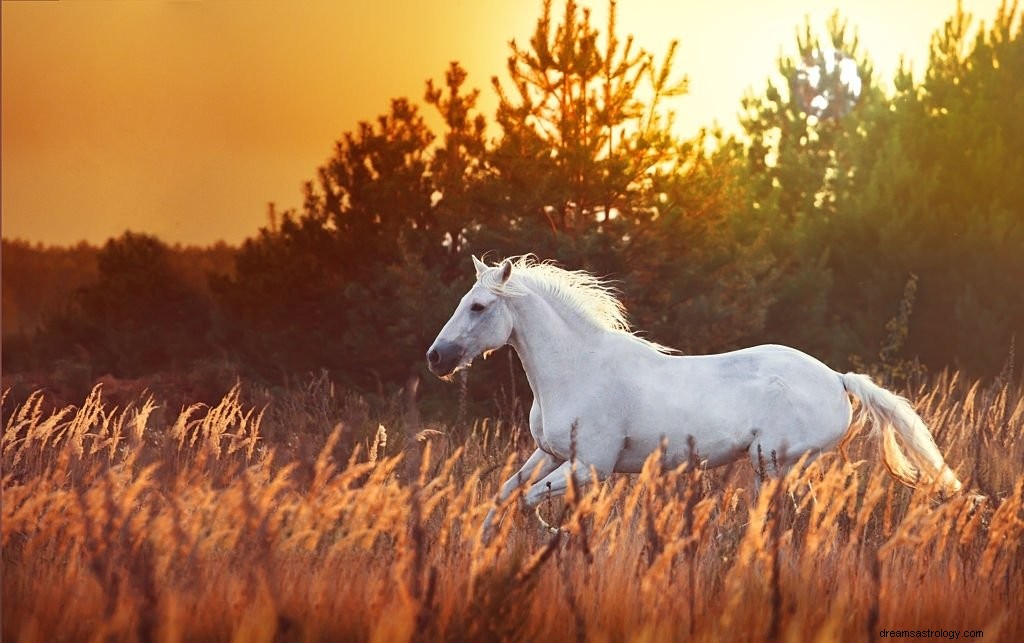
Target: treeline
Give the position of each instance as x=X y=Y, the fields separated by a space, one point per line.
x=134 y=307
x=858 y=223
x=40 y=282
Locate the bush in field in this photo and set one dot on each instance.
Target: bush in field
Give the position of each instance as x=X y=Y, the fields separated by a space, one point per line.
x=135 y=524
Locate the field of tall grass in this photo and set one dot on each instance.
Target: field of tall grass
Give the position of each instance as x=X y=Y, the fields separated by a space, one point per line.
x=299 y=519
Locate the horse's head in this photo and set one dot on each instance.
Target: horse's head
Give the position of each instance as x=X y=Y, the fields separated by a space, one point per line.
x=482 y=322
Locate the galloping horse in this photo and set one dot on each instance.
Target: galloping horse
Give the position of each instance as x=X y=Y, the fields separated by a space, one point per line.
x=623 y=396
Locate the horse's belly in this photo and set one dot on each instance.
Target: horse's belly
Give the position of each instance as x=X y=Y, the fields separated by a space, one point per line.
x=702 y=448
x=702 y=419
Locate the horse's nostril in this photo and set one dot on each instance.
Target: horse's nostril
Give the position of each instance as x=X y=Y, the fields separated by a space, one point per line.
x=433 y=357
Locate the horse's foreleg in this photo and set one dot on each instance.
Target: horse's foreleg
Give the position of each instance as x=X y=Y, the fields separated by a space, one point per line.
x=557 y=482
x=538 y=465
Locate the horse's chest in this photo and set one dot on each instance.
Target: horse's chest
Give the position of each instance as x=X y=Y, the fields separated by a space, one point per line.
x=571 y=429
x=549 y=441
x=554 y=433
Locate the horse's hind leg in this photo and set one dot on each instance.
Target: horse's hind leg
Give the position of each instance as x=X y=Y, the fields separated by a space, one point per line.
x=766 y=463
x=775 y=463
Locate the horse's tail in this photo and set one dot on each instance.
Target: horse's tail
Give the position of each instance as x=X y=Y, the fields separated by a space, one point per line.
x=922 y=465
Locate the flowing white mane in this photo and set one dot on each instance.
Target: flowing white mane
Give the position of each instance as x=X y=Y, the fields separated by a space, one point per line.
x=581 y=291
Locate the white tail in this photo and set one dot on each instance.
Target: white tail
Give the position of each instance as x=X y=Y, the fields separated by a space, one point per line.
x=922 y=465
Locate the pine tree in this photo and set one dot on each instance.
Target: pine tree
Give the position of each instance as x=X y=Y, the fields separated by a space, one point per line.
x=794 y=149
x=938 y=194
x=578 y=143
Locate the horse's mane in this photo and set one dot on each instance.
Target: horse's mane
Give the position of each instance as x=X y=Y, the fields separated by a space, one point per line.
x=595 y=299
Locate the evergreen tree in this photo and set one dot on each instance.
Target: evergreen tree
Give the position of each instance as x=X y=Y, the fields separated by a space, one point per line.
x=590 y=174
x=354 y=282
x=795 y=151
x=577 y=142
x=938 y=195
x=457 y=165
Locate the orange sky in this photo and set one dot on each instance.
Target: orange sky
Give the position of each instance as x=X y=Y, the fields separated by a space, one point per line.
x=184 y=120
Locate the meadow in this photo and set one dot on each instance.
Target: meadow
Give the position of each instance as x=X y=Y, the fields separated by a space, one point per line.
x=305 y=517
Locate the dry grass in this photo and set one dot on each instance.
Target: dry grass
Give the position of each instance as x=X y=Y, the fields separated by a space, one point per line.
x=129 y=525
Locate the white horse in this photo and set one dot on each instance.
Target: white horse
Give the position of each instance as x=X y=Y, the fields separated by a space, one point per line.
x=625 y=395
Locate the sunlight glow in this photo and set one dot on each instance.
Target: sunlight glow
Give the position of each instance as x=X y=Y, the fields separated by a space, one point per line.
x=820 y=98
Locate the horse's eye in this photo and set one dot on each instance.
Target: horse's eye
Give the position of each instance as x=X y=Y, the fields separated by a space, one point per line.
x=476 y=308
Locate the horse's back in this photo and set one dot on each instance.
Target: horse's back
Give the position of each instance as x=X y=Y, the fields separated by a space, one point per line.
x=770 y=373
x=766 y=361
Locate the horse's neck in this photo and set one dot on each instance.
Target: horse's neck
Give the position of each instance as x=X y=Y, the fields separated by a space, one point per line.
x=553 y=343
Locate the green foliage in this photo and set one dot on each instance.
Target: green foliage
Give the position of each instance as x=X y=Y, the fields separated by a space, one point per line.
x=797 y=131
x=924 y=182
x=458 y=164
x=144 y=314
x=794 y=151
x=578 y=144
x=890 y=367
x=589 y=174
x=937 y=193
x=694 y=276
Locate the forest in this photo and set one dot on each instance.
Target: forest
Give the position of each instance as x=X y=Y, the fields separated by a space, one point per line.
x=867 y=223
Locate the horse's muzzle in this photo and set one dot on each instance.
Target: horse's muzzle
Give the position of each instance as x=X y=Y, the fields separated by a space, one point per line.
x=443 y=357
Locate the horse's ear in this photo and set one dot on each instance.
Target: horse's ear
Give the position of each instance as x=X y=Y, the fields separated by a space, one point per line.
x=506 y=270
x=480 y=266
